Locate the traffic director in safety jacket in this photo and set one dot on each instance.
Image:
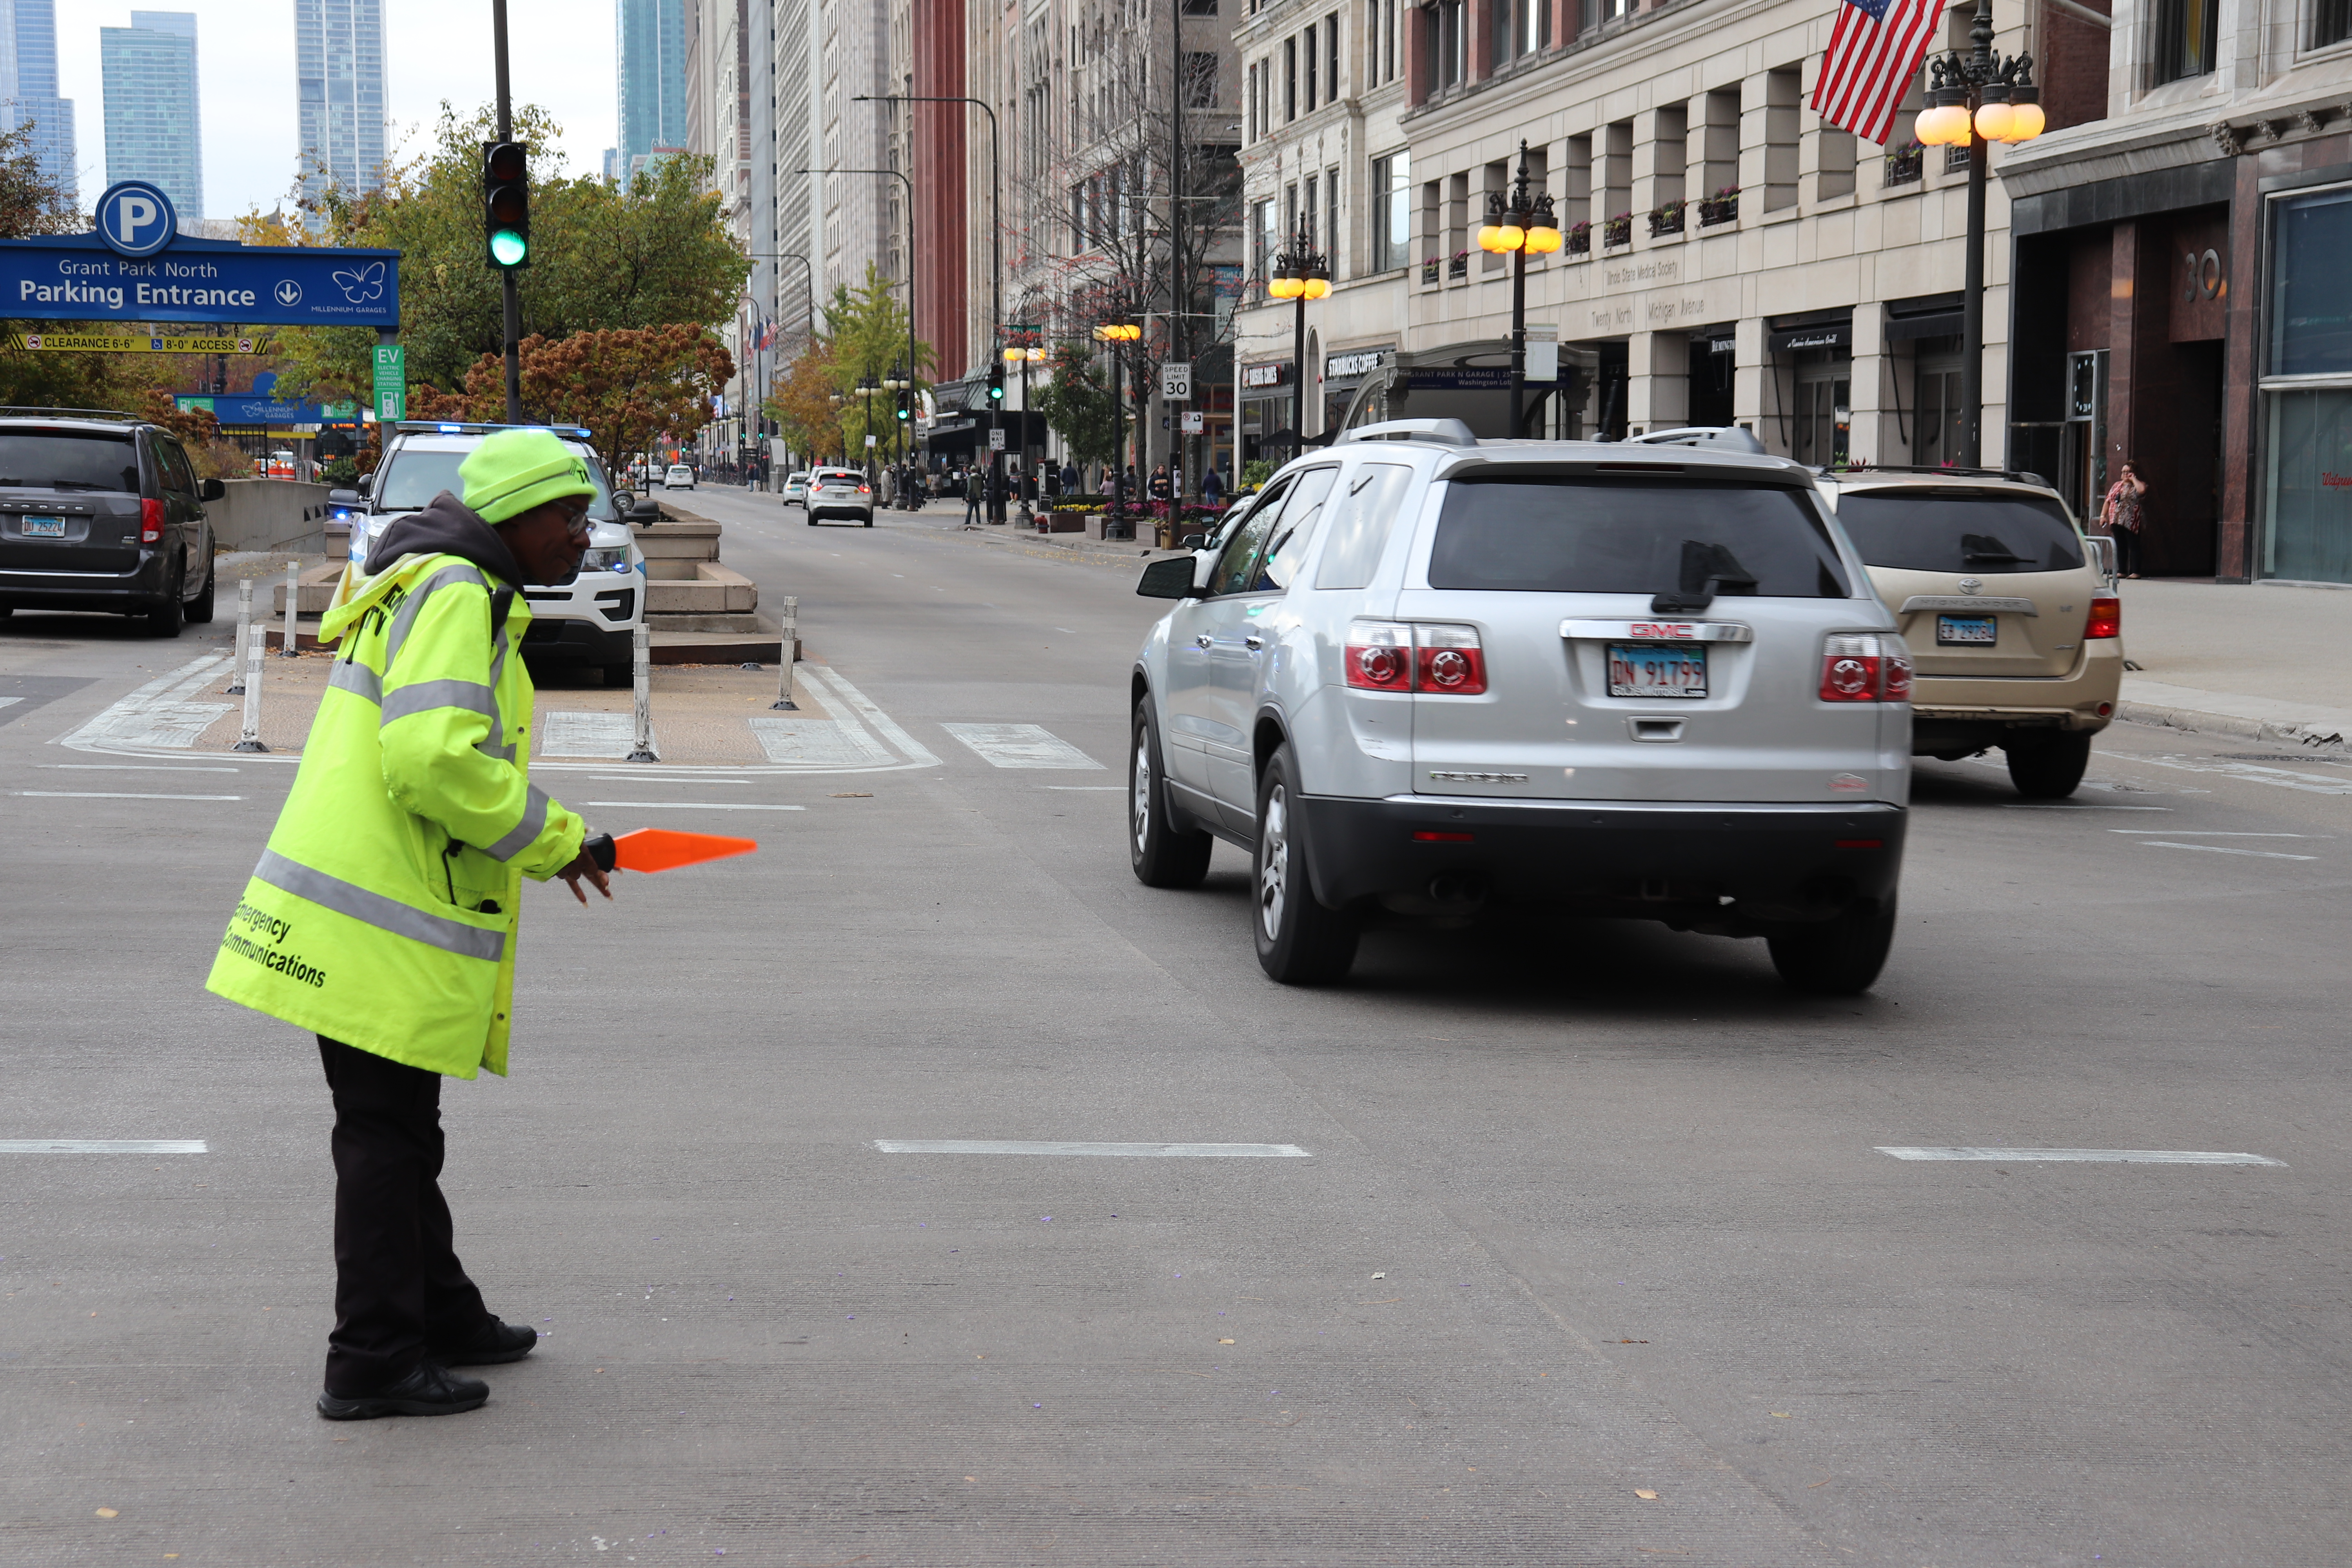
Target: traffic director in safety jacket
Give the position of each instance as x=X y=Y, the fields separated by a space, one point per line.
x=382 y=917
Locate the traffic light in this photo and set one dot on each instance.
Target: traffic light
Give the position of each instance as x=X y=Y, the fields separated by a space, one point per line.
x=906 y=408
x=996 y=383
x=506 y=203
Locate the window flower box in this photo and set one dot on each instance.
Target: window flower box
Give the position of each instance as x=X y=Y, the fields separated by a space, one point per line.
x=1666 y=220
x=1580 y=239
x=1721 y=207
x=1905 y=163
x=1429 y=269
x=1617 y=231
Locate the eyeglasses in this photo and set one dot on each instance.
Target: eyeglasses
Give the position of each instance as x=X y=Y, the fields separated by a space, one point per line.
x=576 y=520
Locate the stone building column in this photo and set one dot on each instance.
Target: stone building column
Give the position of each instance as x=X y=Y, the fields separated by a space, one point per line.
x=1657 y=381
x=1749 y=396
x=1870 y=435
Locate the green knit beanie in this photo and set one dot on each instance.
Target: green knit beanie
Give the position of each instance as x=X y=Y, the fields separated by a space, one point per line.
x=516 y=470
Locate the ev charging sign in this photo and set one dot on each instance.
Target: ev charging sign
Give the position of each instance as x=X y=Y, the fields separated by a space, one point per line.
x=135 y=218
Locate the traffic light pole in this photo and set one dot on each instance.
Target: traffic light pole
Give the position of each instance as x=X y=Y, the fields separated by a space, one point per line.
x=506 y=274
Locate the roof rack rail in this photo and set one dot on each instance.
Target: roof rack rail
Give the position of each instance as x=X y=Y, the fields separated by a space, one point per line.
x=73 y=413
x=2024 y=476
x=1729 y=437
x=1443 y=432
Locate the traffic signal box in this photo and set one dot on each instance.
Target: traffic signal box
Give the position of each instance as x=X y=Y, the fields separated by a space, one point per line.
x=996 y=383
x=505 y=204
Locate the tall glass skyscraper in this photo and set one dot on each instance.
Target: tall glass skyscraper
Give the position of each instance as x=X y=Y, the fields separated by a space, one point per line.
x=339 y=80
x=29 y=86
x=652 y=78
x=151 y=133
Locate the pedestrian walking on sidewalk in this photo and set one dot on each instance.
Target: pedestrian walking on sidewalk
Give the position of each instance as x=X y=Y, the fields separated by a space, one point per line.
x=2121 y=514
x=975 y=496
x=382 y=915
x=1212 y=487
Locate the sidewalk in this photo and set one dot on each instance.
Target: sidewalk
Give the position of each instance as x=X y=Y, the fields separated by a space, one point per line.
x=2268 y=664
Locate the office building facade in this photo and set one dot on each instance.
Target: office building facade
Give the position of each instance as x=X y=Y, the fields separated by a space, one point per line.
x=339 y=69
x=28 y=87
x=152 y=131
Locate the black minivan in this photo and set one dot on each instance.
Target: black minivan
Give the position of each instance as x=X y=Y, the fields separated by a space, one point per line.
x=102 y=512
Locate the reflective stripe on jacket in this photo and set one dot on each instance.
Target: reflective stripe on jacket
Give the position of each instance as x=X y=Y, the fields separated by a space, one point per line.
x=383 y=913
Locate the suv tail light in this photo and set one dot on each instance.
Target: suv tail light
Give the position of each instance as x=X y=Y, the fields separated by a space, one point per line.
x=1448 y=661
x=150 y=524
x=1866 y=666
x=2106 y=619
x=1379 y=655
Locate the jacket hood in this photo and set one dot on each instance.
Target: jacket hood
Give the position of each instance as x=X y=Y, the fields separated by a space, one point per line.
x=447 y=527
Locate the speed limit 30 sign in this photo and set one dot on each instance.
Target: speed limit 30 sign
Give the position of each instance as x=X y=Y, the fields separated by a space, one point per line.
x=1176 y=381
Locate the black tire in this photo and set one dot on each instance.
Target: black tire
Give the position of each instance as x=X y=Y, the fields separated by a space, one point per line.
x=869 y=520
x=1837 y=957
x=2047 y=764
x=200 y=608
x=1299 y=942
x=166 y=618
x=619 y=677
x=1160 y=855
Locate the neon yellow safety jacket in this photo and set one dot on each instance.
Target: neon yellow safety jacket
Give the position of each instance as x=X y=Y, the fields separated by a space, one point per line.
x=383 y=912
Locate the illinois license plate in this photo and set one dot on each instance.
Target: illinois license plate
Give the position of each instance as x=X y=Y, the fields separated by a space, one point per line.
x=1652 y=669
x=44 y=528
x=1960 y=631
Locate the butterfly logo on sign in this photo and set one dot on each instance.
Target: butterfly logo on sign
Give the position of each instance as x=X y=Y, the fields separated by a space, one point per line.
x=290 y=294
x=362 y=285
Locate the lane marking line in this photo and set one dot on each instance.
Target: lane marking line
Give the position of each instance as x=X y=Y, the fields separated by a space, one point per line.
x=866 y=707
x=102 y=1146
x=691 y=805
x=1020 y=746
x=2080 y=1156
x=1085 y=789
x=2027 y=805
x=2182 y=832
x=2283 y=778
x=1114 y=1151
x=2223 y=849
x=656 y=778
x=10 y=702
x=129 y=768
x=111 y=794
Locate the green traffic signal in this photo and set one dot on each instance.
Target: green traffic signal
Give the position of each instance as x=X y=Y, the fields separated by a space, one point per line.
x=506 y=203
x=508 y=249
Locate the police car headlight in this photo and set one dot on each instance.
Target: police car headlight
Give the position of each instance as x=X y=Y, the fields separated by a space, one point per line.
x=606 y=560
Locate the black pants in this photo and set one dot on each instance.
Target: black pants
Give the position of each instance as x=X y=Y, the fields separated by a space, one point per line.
x=399 y=1288
x=2126 y=551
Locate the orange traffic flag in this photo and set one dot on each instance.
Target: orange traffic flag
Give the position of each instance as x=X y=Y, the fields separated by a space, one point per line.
x=664 y=848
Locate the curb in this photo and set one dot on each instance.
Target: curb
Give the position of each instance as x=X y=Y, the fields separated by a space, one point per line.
x=2311 y=732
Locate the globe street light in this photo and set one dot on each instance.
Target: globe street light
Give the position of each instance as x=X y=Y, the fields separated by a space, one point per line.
x=1024 y=356
x=1976 y=97
x=1520 y=225
x=1115 y=333
x=1300 y=273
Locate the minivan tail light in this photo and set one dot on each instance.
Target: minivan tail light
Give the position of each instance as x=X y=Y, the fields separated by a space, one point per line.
x=1866 y=666
x=2106 y=619
x=1448 y=661
x=1379 y=655
x=151 y=522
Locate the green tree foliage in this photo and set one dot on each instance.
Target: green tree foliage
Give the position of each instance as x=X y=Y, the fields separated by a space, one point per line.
x=628 y=385
x=1076 y=402
x=653 y=253
x=864 y=339
x=31 y=204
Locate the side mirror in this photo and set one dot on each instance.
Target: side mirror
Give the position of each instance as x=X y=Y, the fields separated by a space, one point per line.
x=210 y=489
x=334 y=497
x=1195 y=540
x=1169 y=579
x=367 y=484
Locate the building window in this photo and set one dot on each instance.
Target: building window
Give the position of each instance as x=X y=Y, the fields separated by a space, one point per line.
x=1332 y=55
x=1261 y=240
x=1452 y=41
x=1307 y=40
x=1391 y=211
x=1289 y=79
x=2184 y=39
x=1331 y=217
x=2331 y=22
x=1782 y=126
x=1308 y=212
x=1199 y=8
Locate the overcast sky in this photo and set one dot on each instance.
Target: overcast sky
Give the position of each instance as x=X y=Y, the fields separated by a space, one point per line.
x=435 y=49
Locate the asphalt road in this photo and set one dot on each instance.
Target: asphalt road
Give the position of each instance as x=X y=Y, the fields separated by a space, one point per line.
x=1588 y=1213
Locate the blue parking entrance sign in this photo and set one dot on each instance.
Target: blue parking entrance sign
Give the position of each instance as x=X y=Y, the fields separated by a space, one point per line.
x=89 y=278
x=136 y=219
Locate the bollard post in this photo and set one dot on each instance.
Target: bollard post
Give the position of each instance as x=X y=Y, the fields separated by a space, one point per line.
x=293 y=596
x=250 y=739
x=788 y=648
x=244 y=637
x=645 y=684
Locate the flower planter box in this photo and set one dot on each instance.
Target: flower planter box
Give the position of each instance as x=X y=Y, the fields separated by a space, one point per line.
x=1617 y=231
x=1666 y=220
x=1716 y=210
x=1580 y=239
x=1906 y=164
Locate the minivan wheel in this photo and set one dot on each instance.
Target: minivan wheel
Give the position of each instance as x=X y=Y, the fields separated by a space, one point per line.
x=166 y=618
x=1299 y=942
x=1837 y=957
x=1160 y=853
x=200 y=608
x=2046 y=764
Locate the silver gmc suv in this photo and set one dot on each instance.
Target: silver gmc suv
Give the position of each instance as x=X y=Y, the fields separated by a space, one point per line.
x=1422 y=674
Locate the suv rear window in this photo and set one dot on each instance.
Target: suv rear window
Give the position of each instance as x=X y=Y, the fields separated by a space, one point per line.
x=1600 y=534
x=69 y=460
x=1978 y=531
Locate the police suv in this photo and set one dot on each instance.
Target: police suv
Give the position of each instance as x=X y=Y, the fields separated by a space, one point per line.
x=593 y=619
x=1422 y=675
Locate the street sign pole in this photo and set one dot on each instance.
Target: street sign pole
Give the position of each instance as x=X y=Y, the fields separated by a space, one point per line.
x=507 y=274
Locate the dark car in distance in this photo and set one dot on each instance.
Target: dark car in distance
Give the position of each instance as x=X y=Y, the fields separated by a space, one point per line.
x=102 y=511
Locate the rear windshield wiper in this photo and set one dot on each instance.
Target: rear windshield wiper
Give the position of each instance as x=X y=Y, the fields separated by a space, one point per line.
x=1706 y=567
x=1985 y=547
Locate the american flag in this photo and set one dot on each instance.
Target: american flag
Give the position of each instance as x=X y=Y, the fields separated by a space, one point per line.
x=1875 y=52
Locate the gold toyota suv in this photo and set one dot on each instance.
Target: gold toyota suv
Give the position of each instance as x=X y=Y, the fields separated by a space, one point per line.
x=2015 y=632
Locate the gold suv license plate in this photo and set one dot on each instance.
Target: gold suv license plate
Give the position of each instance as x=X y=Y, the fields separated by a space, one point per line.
x=1967 y=631
x=1657 y=669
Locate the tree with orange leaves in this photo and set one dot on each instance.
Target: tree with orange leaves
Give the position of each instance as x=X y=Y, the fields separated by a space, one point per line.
x=628 y=385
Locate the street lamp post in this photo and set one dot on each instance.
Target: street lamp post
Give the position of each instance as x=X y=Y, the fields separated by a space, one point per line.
x=1520 y=225
x=1116 y=333
x=1976 y=97
x=1024 y=356
x=1300 y=273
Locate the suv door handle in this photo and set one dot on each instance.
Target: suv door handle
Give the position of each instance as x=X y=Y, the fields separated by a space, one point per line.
x=1203 y=640
x=1253 y=641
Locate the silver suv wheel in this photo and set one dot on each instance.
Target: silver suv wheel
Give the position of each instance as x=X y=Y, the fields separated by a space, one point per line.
x=1138 y=816
x=1274 y=862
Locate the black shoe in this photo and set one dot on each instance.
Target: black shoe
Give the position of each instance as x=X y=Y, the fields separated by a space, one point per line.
x=430 y=1390
x=496 y=1342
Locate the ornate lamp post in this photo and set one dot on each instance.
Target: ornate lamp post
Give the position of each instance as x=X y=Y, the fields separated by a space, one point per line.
x=1520 y=225
x=1024 y=356
x=1974 y=99
x=1300 y=273
x=1116 y=333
